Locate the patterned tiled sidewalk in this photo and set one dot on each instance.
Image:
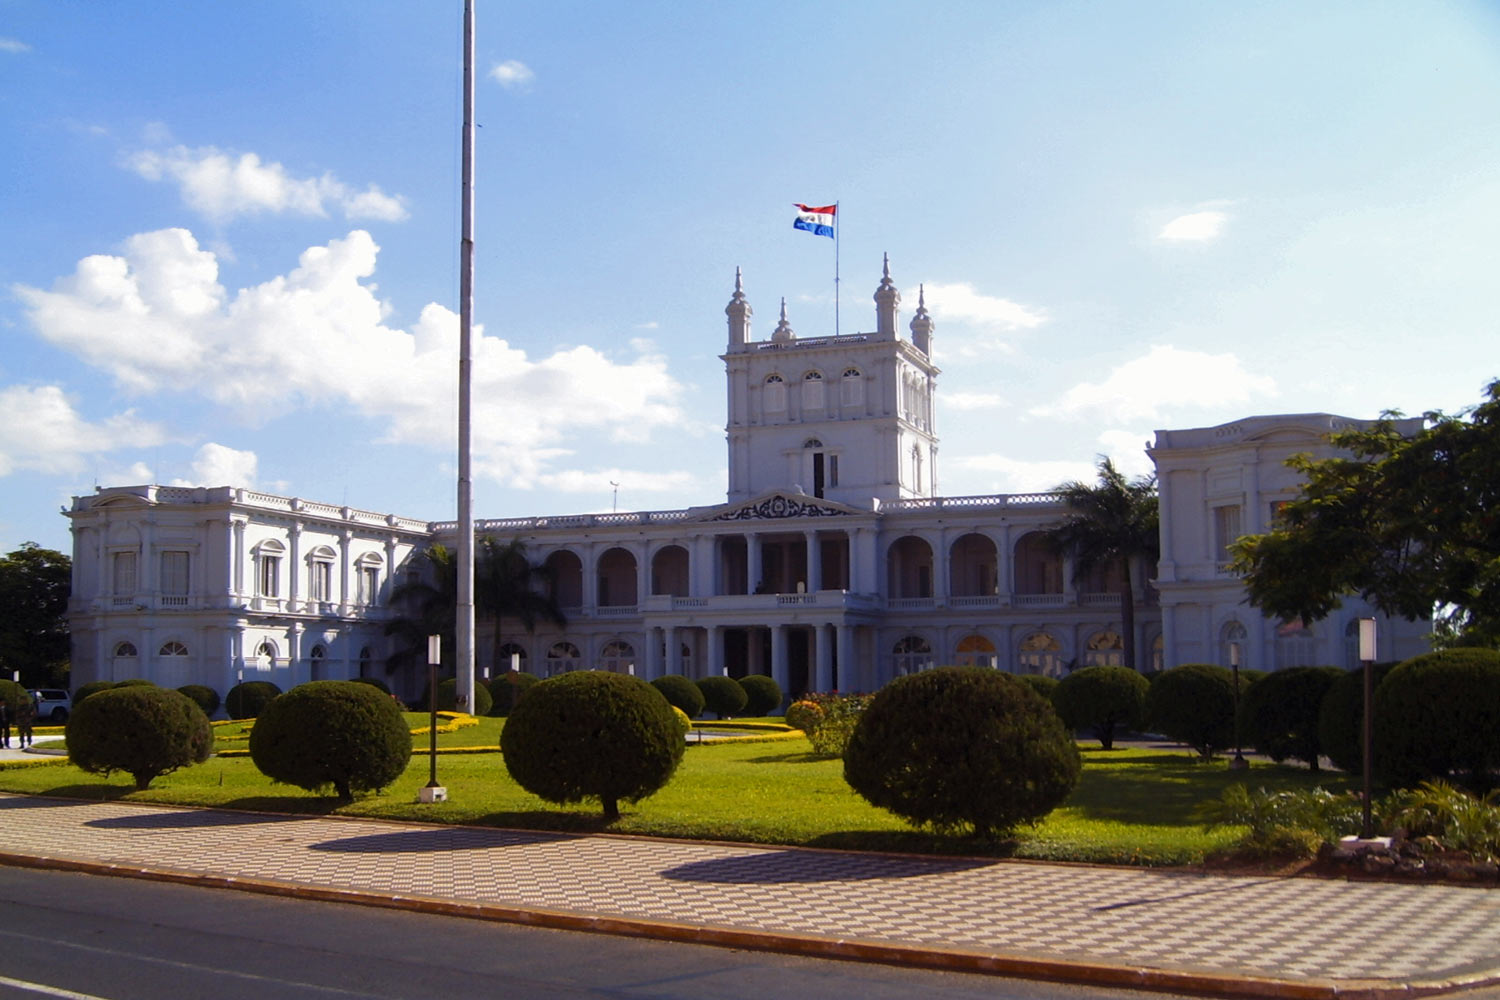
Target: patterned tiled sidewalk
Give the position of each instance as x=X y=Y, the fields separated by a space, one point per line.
x=1286 y=936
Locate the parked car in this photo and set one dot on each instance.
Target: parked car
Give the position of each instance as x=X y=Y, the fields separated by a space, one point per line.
x=52 y=704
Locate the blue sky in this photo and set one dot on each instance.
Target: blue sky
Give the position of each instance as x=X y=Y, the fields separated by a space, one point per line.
x=228 y=232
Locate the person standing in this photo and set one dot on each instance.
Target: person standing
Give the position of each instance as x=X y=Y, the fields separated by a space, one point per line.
x=25 y=719
x=4 y=724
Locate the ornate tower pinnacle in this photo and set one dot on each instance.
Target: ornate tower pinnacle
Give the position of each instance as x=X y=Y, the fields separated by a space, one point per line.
x=921 y=324
x=783 y=331
x=887 y=301
x=739 y=313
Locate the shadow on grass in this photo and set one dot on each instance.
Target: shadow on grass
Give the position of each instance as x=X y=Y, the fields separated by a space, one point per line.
x=1165 y=790
x=807 y=866
x=792 y=758
x=437 y=839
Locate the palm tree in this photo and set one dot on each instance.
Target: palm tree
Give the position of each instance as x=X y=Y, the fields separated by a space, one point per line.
x=1110 y=524
x=508 y=584
x=430 y=608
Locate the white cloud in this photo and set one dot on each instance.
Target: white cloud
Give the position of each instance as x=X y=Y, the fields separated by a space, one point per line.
x=1165 y=378
x=221 y=186
x=1001 y=474
x=218 y=465
x=960 y=302
x=41 y=431
x=13 y=45
x=964 y=402
x=1195 y=226
x=1128 y=450
x=513 y=74
x=157 y=319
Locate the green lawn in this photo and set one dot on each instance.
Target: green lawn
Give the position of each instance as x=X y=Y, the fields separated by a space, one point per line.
x=1132 y=806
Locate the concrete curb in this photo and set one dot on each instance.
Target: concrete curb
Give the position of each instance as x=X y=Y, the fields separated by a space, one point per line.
x=950 y=960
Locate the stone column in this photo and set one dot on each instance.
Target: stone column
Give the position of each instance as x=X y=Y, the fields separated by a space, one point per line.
x=848 y=677
x=294 y=569
x=778 y=655
x=823 y=637
x=814 y=562
x=714 y=653
x=345 y=537
x=674 y=651
x=752 y=562
x=590 y=580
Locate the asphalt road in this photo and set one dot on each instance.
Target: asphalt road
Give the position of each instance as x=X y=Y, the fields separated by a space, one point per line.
x=84 y=936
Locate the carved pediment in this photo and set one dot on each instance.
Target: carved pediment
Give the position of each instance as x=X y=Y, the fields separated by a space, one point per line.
x=774 y=506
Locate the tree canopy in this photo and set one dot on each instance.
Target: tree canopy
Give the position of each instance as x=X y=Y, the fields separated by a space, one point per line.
x=34 y=587
x=1409 y=523
x=1110 y=523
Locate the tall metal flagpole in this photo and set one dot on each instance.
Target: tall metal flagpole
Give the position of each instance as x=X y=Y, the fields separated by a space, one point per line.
x=837 y=226
x=464 y=626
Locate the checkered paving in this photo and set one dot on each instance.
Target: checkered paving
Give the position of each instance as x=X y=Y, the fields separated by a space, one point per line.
x=1281 y=928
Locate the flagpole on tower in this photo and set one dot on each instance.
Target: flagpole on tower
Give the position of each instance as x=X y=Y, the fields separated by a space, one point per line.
x=837 y=225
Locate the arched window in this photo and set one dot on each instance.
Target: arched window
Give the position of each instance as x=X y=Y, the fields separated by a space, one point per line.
x=265 y=656
x=367 y=572
x=825 y=467
x=1104 y=649
x=365 y=660
x=171 y=669
x=562 y=657
x=976 y=651
x=775 y=394
x=814 y=396
x=1233 y=633
x=852 y=387
x=1296 y=646
x=315 y=657
x=320 y=574
x=910 y=654
x=617 y=657
x=125 y=649
x=268 y=568
x=172 y=649
x=1040 y=653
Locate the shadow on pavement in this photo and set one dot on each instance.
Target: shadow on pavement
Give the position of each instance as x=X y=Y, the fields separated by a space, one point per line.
x=803 y=866
x=449 y=839
x=188 y=819
x=68 y=795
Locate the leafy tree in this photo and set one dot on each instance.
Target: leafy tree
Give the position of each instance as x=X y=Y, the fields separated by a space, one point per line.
x=508 y=585
x=1279 y=712
x=143 y=730
x=34 y=588
x=1102 y=698
x=1193 y=704
x=1408 y=522
x=1111 y=523
x=962 y=747
x=592 y=734
x=428 y=607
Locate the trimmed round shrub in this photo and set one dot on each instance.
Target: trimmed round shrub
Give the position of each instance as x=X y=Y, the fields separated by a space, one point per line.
x=762 y=694
x=1193 y=704
x=1341 y=717
x=680 y=692
x=722 y=696
x=332 y=733
x=374 y=682
x=592 y=734
x=1279 y=713
x=683 y=722
x=247 y=699
x=508 y=689
x=1104 y=699
x=203 y=696
x=1040 y=683
x=144 y=730
x=1438 y=715
x=805 y=715
x=447 y=698
x=89 y=689
x=13 y=694
x=962 y=747
x=134 y=682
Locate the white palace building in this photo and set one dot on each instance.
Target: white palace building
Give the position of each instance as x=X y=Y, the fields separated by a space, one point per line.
x=832 y=565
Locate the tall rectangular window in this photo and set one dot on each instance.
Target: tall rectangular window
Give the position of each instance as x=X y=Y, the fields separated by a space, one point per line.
x=1226 y=530
x=124 y=574
x=833 y=470
x=369 y=585
x=321 y=581
x=270 y=576
x=174 y=574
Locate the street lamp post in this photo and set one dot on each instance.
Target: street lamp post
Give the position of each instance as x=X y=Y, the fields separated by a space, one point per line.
x=1367 y=659
x=1239 y=763
x=433 y=792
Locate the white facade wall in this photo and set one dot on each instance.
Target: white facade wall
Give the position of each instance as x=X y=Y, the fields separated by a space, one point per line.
x=833 y=564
